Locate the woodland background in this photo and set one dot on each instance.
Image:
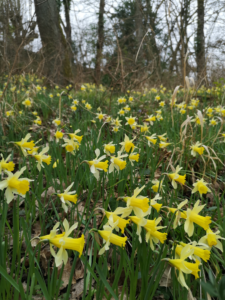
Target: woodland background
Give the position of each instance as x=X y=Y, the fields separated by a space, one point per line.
x=122 y=44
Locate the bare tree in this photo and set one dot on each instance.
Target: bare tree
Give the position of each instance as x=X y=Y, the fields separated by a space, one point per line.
x=57 y=59
x=100 y=42
x=200 y=40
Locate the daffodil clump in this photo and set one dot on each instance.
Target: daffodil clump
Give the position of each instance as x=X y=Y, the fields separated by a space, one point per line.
x=140 y=183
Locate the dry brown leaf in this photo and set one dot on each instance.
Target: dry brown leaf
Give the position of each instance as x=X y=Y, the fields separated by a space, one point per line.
x=66 y=274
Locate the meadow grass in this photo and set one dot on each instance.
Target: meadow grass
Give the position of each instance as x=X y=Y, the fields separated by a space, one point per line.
x=136 y=271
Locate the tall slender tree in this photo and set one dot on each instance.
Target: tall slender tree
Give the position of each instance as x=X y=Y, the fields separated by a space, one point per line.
x=100 y=42
x=200 y=40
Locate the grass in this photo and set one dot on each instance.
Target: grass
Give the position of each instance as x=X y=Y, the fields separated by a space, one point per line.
x=136 y=271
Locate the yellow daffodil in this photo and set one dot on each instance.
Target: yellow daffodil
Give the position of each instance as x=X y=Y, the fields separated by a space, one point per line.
x=121 y=100
x=71 y=145
x=63 y=242
x=179 y=214
x=73 y=108
x=76 y=137
x=75 y=102
x=100 y=116
x=113 y=218
x=193 y=217
x=5 y=165
x=201 y=187
x=117 y=122
x=34 y=113
x=151 y=119
x=212 y=239
x=58 y=135
x=27 y=103
x=175 y=177
x=199 y=251
x=97 y=164
x=163 y=137
x=139 y=220
x=134 y=157
x=131 y=99
x=9 y=113
x=14 y=185
x=157 y=98
x=83 y=88
x=197 y=148
x=127 y=144
x=162 y=103
x=117 y=162
x=115 y=129
x=109 y=237
x=25 y=145
x=130 y=120
x=121 y=112
x=67 y=197
x=164 y=145
x=213 y=122
x=153 y=235
x=109 y=148
x=185 y=267
x=151 y=139
x=144 y=127
x=56 y=122
x=157 y=186
x=42 y=158
x=88 y=106
x=155 y=204
x=55 y=164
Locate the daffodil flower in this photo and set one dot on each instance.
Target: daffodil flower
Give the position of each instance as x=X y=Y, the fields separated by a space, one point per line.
x=138 y=201
x=109 y=237
x=5 y=165
x=56 y=122
x=127 y=144
x=151 y=139
x=97 y=164
x=197 y=148
x=185 y=267
x=100 y=116
x=155 y=204
x=58 y=135
x=163 y=137
x=63 y=242
x=201 y=187
x=140 y=220
x=134 y=157
x=157 y=186
x=76 y=137
x=153 y=234
x=67 y=197
x=109 y=148
x=27 y=103
x=42 y=158
x=212 y=239
x=200 y=251
x=178 y=213
x=14 y=185
x=25 y=145
x=144 y=128
x=117 y=162
x=176 y=177
x=130 y=120
x=150 y=119
x=164 y=145
x=117 y=122
x=193 y=217
x=71 y=145
x=113 y=218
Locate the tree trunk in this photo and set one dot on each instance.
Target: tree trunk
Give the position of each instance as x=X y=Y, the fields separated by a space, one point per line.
x=139 y=29
x=100 y=42
x=200 y=41
x=68 y=24
x=57 y=61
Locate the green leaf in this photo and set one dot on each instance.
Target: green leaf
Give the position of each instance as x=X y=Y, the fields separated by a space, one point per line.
x=9 y=278
x=105 y=282
x=42 y=285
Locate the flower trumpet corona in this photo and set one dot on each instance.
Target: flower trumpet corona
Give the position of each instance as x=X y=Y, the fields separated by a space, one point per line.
x=97 y=164
x=193 y=217
x=64 y=242
x=185 y=267
x=5 y=165
x=42 y=158
x=197 y=148
x=15 y=185
x=178 y=213
x=212 y=239
x=67 y=197
x=127 y=144
x=153 y=234
x=109 y=148
x=201 y=187
x=25 y=145
x=175 y=177
x=117 y=162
